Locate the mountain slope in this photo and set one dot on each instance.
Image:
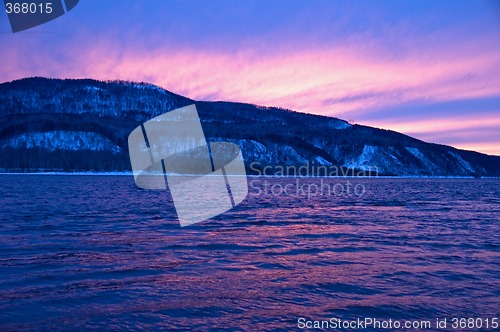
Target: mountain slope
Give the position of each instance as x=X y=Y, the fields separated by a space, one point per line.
x=80 y=125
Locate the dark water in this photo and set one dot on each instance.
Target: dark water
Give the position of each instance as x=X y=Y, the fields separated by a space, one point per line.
x=95 y=252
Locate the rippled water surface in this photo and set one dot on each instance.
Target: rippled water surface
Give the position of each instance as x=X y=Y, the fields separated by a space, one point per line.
x=95 y=252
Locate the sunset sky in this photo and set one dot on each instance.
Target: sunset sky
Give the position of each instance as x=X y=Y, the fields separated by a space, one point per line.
x=429 y=69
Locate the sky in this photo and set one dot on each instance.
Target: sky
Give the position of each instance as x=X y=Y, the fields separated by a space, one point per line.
x=429 y=69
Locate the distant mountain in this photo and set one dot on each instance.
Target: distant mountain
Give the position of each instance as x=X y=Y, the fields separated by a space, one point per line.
x=83 y=125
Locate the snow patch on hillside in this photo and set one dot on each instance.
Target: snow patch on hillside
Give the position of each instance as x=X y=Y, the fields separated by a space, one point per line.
x=254 y=151
x=465 y=165
x=416 y=152
x=62 y=140
x=149 y=86
x=92 y=88
x=339 y=124
x=365 y=161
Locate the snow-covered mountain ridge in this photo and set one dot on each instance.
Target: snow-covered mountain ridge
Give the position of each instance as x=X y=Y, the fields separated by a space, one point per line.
x=83 y=125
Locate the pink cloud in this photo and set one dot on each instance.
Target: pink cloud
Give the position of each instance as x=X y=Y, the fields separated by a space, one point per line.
x=470 y=132
x=441 y=125
x=491 y=148
x=321 y=81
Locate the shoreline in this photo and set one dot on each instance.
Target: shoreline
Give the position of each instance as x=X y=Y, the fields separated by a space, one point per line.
x=259 y=176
